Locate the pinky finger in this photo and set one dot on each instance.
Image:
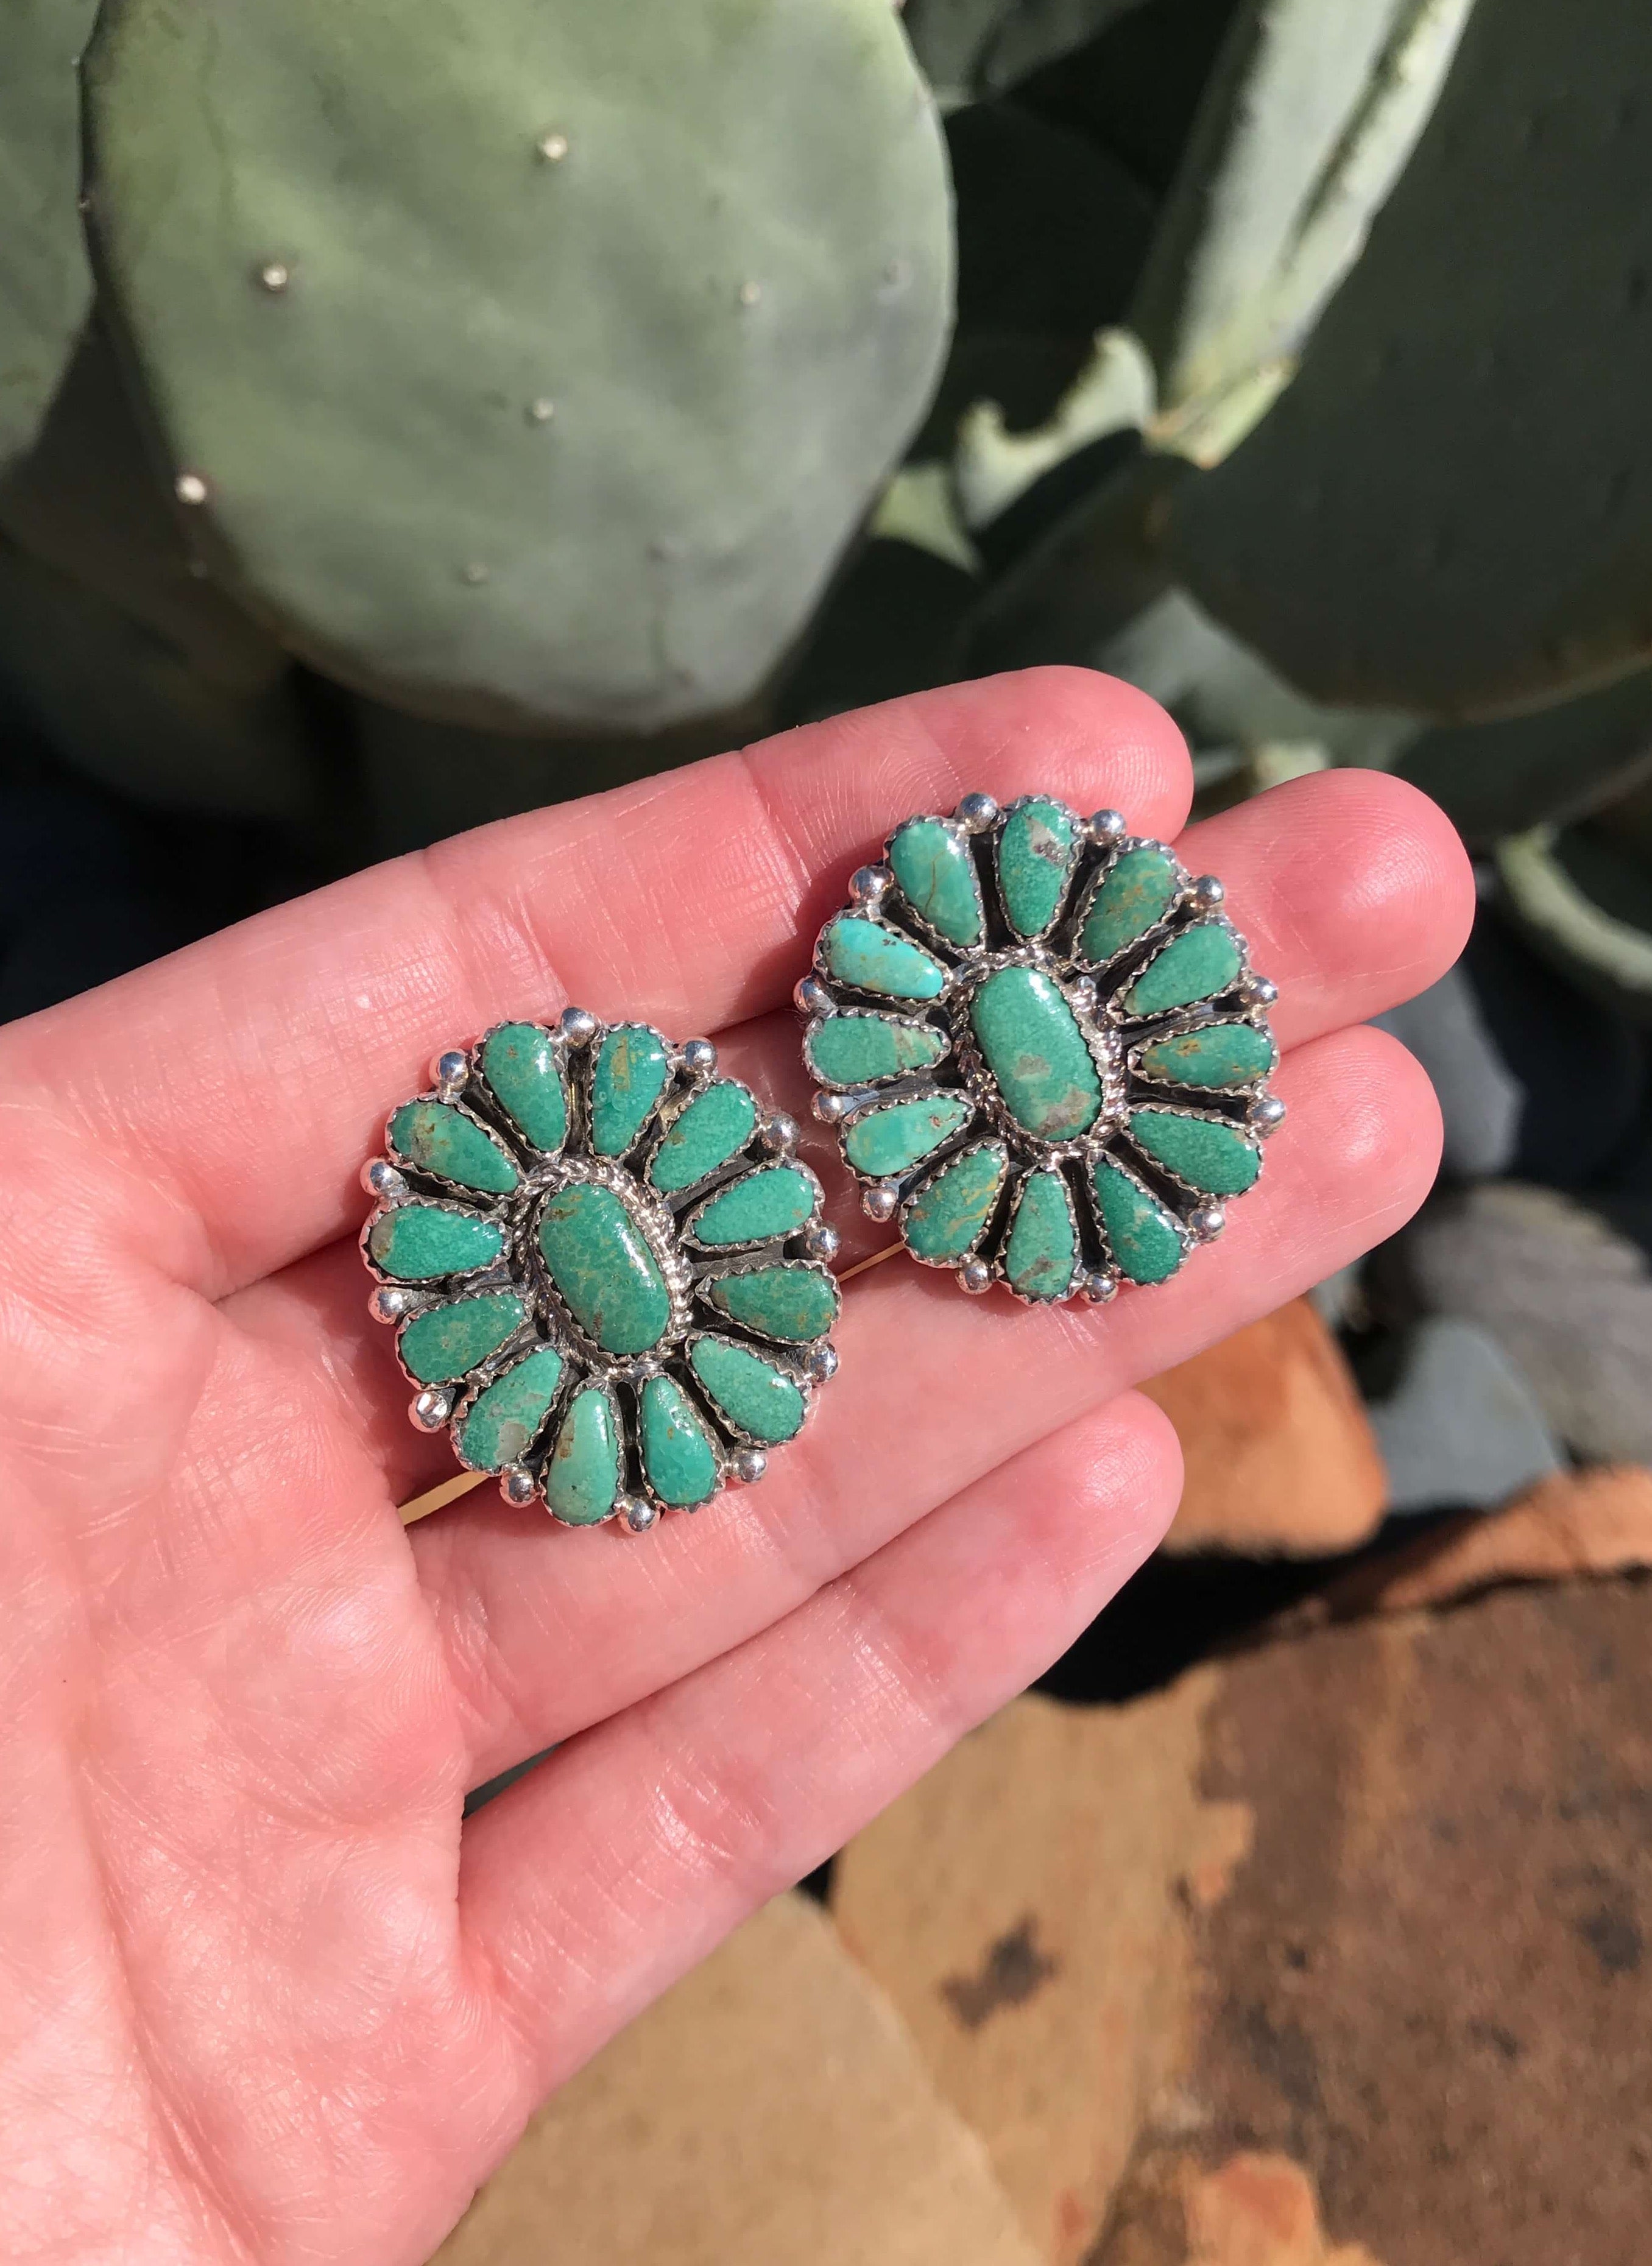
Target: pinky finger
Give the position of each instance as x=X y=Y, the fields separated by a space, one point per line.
x=593 y=1884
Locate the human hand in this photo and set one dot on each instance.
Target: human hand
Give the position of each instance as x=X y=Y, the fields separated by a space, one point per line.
x=266 y=2003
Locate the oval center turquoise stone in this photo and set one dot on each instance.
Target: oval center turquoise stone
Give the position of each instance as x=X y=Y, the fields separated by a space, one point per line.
x=1030 y=1041
x=599 y=1259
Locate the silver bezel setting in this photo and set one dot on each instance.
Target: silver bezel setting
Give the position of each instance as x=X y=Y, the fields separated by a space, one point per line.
x=1114 y=1038
x=661 y=1218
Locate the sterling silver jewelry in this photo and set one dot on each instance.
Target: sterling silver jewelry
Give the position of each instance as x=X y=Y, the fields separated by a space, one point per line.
x=1043 y=1047
x=606 y=1267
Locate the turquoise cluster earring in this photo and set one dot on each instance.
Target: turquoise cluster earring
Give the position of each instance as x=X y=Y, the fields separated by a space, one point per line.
x=606 y=1269
x=1046 y=1056
x=1043 y=1047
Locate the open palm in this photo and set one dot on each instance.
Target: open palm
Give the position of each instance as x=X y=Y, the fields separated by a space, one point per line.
x=264 y=2000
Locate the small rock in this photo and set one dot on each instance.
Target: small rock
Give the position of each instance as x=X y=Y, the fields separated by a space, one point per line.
x=1581 y=1068
x=1278 y=1451
x=1463 y=1426
x=770 y=2107
x=1481 y=1101
x=1574 y=1523
x=1568 y=1301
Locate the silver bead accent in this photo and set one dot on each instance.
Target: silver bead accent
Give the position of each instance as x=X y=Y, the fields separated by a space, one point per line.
x=699 y=1057
x=1081 y=995
x=811 y=997
x=394 y=1302
x=276 y=275
x=1267 y=1115
x=517 y=1485
x=552 y=147
x=976 y=813
x=748 y=1466
x=1106 y=827
x=1261 y=991
x=1208 y=1222
x=449 y=1072
x=1100 y=1288
x=832 y=1109
x=880 y=1204
x=779 y=1133
x=579 y=1026
x=1209 y=891
x=820 y=1363
x=976 y=1276
x=821 y=1242
x=190 y=488
x=381 y=1178
x=868 y=883
x=431 y=1410
x=636 y=1514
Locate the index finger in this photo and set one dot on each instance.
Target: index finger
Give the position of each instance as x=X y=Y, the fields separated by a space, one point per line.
x=241 y=1082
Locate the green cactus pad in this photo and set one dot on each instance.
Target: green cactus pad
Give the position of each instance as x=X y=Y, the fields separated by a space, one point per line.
x=531 y=365
x=131 y=711
x=88 y=500
x=1444 y=511
x=45 y=282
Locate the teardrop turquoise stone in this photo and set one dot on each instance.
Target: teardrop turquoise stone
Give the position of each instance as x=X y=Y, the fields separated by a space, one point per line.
x=450 y=1340
x=582 y=1477
x=1141 y=1233
x=416 y=1242
x=945 y=1218
x=868 y=958
x=1208 y=1153
x=900 y=1134
x=773 y=1201
x=677 y=1454
x=627 y=1080
x=1042 y=1251
x=1138 y=889
x=601 y=1262
x=519 y=1062
x=935 y=871
x=1032 y=1044
x=505 y=1417
x=434 y=1137
x=1201 y=962
x=758 y=1398
x=1036 y=854
x=716 y=1126
x=864 y=1049
x=793 y=1303
x=1214 y=1055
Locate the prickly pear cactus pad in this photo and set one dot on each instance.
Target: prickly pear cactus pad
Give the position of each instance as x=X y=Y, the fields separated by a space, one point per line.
x=1044 y=1048
x=607 y=1270
x=1424 y=520
x=527 y=362
x=45 y=281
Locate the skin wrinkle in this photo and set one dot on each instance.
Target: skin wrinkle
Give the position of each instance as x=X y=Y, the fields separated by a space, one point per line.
x=172 y=2129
